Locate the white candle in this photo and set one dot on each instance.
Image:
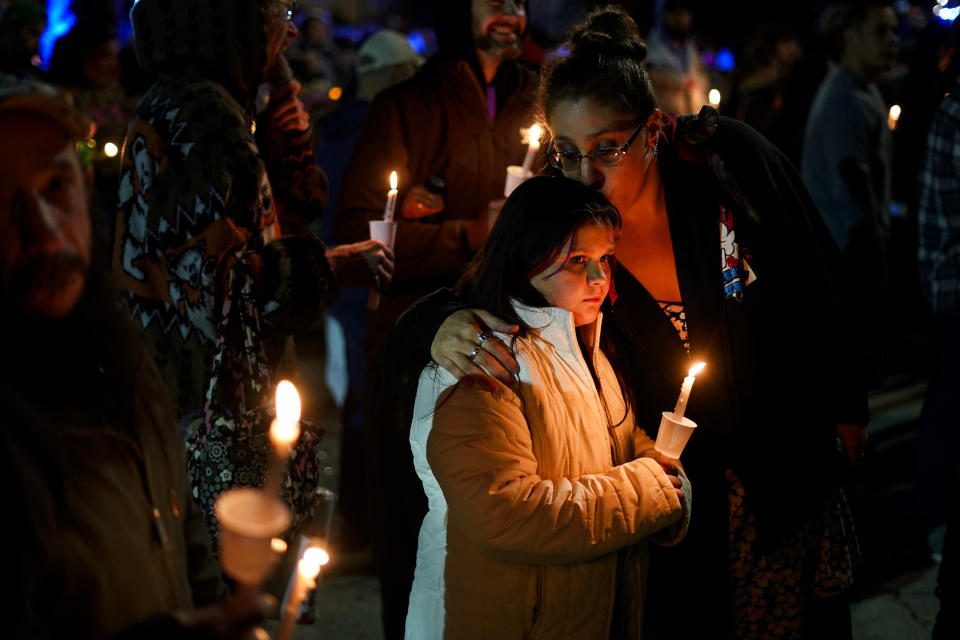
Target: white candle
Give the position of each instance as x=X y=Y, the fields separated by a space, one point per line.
x=391 y=207
x=685 y=390
x=284 y=431
x=308 y=568
x=533 y=145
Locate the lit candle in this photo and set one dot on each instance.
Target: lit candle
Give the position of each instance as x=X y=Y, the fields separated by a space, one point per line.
x=714 y=97
x=533 y=145
x=284 y=431
x=893 y=116
x=685 y=390
x=308 y=568
x=391 y=207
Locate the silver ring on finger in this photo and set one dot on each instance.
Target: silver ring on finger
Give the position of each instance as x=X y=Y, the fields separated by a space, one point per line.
x=482 y=337
x=476 y=350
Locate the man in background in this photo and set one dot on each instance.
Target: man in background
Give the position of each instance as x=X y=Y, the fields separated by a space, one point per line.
x=847 y=145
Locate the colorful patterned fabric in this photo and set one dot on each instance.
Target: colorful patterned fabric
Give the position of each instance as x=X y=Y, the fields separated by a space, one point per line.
x=770 y=591
x=678 y=318
x=733 y=261
x=231 y=449
x=198 y=251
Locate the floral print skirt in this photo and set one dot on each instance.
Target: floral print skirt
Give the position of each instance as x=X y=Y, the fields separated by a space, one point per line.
x=770 y=591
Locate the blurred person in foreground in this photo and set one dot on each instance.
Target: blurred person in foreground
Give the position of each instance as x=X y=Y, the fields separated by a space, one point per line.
x=108 y=542
x=216 y=193
x=720 y=243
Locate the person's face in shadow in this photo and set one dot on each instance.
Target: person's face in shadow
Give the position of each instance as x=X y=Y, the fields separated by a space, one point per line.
x=45 y=229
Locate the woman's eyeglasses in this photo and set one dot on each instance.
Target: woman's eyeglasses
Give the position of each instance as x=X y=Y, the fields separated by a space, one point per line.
x=570 y=161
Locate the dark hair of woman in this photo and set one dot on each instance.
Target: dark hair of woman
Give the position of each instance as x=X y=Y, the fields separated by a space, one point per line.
x=537 y=222
x=603 y=59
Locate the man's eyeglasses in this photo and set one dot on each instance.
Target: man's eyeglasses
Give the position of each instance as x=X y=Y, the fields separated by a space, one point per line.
x=570 y=161
x=289 y=6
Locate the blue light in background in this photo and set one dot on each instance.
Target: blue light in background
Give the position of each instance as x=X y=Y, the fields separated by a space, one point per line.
x=59 y=21
x=417 y=42
x=725 y=60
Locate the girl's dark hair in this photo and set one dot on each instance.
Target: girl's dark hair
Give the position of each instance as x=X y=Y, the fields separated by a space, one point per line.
x=601 y=59
x=535 y=224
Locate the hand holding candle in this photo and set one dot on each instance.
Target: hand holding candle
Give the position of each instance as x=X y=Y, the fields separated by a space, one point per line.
x=385 y=231
x=308 y=568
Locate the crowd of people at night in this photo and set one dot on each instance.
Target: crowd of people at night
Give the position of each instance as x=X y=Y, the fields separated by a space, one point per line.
x=482 y=237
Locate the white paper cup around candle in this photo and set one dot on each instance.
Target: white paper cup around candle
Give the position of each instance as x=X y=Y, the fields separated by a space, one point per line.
x=673 y=434
x=384 y=231
x=515 y=177
x=249 y=520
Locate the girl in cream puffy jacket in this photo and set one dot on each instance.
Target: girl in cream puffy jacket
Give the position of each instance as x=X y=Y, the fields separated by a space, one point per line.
x=542 y=495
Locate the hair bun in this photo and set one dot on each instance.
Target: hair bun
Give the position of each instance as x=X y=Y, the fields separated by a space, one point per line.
x=608 y=31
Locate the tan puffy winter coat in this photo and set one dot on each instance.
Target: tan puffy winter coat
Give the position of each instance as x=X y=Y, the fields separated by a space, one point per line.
x=549 y=507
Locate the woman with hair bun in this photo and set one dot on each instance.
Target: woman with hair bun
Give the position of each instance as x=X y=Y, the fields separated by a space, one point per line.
x=723 y=258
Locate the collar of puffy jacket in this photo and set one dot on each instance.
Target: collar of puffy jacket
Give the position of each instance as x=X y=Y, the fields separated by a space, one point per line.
x=223 y=40
x=555 y=325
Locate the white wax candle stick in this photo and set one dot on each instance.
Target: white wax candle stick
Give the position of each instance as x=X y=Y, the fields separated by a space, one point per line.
x=390 y=209
x=684 y=397
x=284 y=432
x=533 y=146
x=685 y=389
x=308 y=568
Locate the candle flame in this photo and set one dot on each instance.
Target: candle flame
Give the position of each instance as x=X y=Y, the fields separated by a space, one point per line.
x=393 y=179
x=533 y=136
x=278 y=545
x=714 y=97
x=316 y=555
x=895 y=112
x=288 y=402
x=309 y=565
x=697 y=368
